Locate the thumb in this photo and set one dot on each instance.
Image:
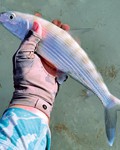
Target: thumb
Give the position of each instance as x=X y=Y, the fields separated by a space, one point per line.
x=35 y=26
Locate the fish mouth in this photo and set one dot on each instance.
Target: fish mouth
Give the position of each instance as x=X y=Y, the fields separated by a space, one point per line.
x=2 y=17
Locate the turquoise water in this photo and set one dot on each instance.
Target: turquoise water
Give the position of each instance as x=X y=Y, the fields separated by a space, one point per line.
x=77 y=121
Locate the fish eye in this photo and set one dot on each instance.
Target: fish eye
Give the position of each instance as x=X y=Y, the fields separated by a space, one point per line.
x=12 y=16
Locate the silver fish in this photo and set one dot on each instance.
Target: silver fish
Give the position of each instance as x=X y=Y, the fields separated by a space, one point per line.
x=59 y=48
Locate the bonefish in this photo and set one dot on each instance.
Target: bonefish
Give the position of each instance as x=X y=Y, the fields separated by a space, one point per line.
x=60 y=49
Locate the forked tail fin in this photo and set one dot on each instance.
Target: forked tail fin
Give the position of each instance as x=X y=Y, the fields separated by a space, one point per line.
x=111 y=119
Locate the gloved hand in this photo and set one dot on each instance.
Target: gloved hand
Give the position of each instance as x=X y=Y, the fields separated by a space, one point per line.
x=34 y=86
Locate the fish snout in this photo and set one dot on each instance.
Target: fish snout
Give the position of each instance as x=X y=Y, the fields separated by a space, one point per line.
x=2 y=17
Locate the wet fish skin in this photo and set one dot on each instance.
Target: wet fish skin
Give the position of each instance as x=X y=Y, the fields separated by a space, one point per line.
x=59 y=48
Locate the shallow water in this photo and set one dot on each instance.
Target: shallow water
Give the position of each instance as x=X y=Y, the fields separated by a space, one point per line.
x=77 y=121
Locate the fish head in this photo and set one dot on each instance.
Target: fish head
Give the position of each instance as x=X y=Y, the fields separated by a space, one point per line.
x=17 y=23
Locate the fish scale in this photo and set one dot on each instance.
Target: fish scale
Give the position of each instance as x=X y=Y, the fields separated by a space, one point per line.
x=77 y=52
x=59 y=48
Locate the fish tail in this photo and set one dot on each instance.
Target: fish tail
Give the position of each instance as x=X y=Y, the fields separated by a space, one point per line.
x=111 y=118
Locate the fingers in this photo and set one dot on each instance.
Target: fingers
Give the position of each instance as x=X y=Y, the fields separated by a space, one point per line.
x=38 y=14
x=65 y=27
x=58 y=23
